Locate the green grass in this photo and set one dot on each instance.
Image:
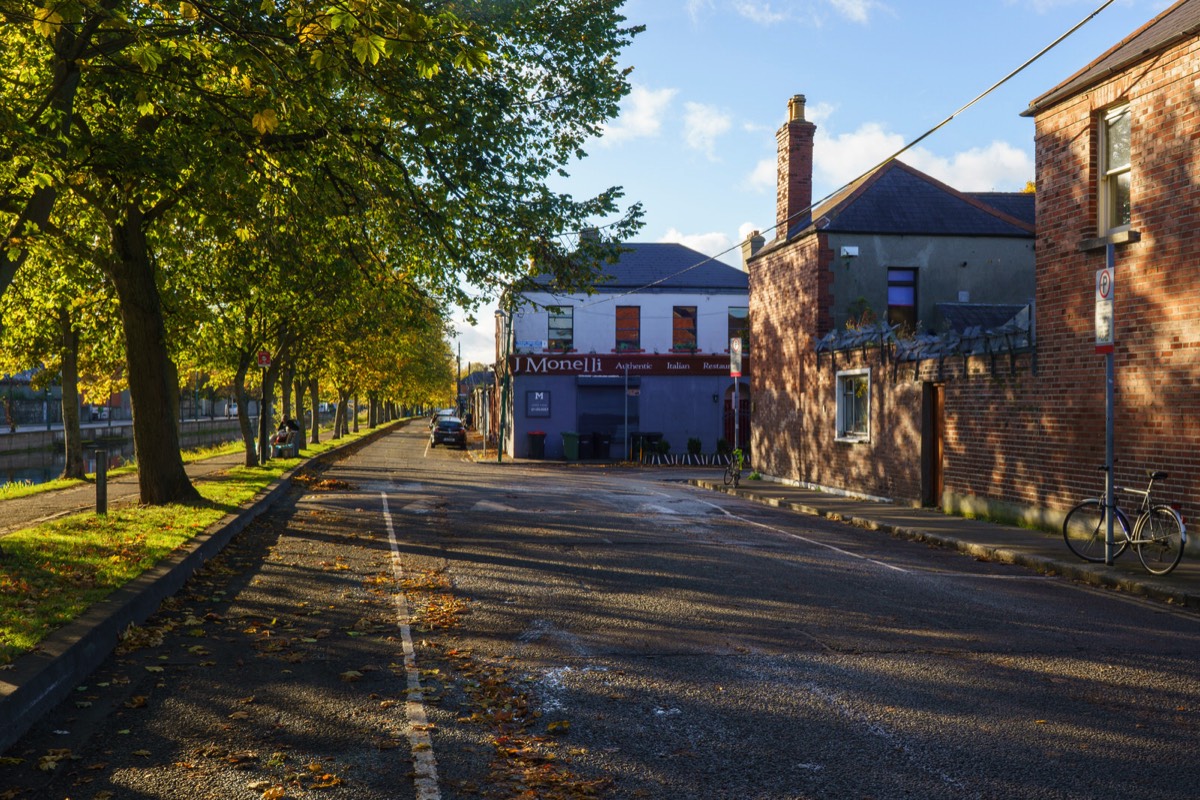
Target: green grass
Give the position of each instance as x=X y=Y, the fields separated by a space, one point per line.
x=51 y=573
x=9 y=491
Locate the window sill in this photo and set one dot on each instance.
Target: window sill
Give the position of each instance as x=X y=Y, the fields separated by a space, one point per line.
x=851 y=439
x=1126 y=236
x=559 y=352
x=629 y=351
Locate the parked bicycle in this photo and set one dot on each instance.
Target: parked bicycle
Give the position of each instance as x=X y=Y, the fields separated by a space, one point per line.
x=1159 y=535
x=733 y=472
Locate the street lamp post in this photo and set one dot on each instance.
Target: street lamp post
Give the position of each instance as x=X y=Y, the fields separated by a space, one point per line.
x=505 y=318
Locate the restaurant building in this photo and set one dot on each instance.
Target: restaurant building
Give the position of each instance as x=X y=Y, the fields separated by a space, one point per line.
x=644 y=357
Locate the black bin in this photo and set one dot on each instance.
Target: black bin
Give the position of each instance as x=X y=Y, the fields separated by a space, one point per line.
x=585 y=446
x=537 y=444
x=650 y=443
x=601 y=445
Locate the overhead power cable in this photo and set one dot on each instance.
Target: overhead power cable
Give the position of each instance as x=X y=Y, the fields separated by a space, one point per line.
x=808 y=210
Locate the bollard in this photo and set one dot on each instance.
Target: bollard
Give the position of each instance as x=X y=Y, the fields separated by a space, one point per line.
x=101 y=481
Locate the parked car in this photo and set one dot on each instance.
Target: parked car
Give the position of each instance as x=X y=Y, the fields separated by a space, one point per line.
x=448 y=430
x=231 y=410
x=438 y=416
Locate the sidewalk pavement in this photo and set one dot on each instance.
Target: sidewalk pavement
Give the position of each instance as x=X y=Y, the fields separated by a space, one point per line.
x=40 y=679
x=1040 y=551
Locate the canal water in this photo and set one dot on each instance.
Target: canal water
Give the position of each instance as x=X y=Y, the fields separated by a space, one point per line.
x=43 y=465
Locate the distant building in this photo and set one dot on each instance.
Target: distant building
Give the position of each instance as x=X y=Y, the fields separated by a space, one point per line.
x=648 y=353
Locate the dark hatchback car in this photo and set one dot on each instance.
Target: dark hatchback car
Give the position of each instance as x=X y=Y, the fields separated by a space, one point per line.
x=448 y=430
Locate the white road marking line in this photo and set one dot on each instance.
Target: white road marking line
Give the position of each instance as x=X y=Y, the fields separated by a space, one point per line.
x=798 y=537
x=424 y=762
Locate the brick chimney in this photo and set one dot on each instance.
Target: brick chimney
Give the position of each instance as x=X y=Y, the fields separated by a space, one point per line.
x=750 y=247
x=793 y=186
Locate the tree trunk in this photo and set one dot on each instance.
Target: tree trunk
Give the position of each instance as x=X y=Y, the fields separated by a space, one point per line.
x=344 y=407
x=356 y=413
x=266 y=423
x=314 y=399
x=243 y=407
x=152 y=389
x=339 y=417
x=298 y=391
x=75 y=466
x=285 y=392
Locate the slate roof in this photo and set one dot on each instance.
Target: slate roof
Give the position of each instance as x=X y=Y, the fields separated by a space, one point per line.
x=1020 y=205
x=1180 y=21
x=898 y=199
x=986 y=316
x=667 y=267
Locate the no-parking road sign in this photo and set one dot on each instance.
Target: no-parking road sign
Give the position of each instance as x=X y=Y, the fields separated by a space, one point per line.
x=1105 y=289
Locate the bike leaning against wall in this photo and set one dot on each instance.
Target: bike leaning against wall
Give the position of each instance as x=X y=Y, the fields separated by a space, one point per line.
x=1158 y=536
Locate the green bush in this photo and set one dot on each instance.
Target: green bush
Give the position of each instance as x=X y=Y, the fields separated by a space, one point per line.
x=723 y=448
x=693 y=446
x=664 y=447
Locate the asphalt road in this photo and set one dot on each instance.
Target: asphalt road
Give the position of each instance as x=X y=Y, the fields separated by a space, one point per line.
x=591 y=632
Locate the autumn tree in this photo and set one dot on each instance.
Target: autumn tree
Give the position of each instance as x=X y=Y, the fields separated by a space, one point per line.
x=436 y=126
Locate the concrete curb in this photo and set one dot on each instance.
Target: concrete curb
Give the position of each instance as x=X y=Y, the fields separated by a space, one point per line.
x=1137 y=583
x=39 y=680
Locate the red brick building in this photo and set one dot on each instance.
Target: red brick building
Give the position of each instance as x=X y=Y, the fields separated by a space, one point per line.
x=1116 y=164
x=832 y=408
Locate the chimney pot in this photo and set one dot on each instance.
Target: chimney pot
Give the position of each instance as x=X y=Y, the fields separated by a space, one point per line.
x=796 y=108
x=752 y=244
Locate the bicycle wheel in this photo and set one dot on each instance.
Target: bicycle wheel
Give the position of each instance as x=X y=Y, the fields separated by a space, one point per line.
x=1158 y=539
x=729 y=475
x=1084 y=531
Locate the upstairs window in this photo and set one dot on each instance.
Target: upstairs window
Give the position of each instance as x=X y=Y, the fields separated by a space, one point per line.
x=629 y=328
x=683 y=331
x=739 y=326
x=1115 y=178
x=560 y=333
x=902 y=299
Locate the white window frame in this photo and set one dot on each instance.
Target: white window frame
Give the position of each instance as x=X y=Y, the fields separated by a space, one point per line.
x=851 y=379
x=1110 y=175
x=560 y=313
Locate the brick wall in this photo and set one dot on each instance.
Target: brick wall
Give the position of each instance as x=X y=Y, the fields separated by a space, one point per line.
x=1157 y=302
x=1033 y=438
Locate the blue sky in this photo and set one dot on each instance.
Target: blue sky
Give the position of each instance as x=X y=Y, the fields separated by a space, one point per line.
x=695 y=140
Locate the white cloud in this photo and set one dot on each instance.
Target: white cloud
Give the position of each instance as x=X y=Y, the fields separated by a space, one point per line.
x=997 y=167
x=694 y=7
x=710 y=244
x=702 y=126
x=840 y=159
x=855 y=10
x=763 y=177
x=760 y=12
x=641 y=115
x=747 y=228
x=775 y=12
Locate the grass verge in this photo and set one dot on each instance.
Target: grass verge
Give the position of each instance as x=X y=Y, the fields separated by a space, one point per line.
x=51 y=573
